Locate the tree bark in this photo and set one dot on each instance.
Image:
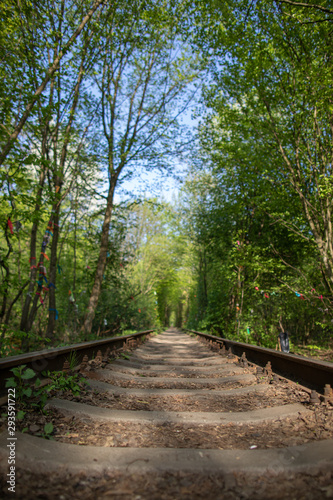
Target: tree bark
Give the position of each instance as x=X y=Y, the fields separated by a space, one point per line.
x=58 y=182
x=24 y=325
x=53 y=276
x=96 y=290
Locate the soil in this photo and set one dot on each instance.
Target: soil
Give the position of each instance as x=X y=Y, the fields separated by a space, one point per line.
x=184 y=486
x=178 y=375
x=321 y=354
x=275 y=395
x=177 y=384
x=83 y=431
x=277 y=434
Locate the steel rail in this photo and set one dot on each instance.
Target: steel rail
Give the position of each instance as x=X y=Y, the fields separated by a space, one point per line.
x=53 y=359
x=311 y=373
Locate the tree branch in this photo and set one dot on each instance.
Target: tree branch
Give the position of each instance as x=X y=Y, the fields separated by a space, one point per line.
x=50 y=72
x=306 y=5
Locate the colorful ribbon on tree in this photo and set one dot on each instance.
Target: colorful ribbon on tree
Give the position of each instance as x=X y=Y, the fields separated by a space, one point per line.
x=56 y=313
x=10 y=225
x=33 y=266
x=300 y=295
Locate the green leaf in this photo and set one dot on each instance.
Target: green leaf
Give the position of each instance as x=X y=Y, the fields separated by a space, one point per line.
x=18 y=371
x=28 y=374
x=20 y=415
x=27 y=392
x=10 y=382
x=48 y=428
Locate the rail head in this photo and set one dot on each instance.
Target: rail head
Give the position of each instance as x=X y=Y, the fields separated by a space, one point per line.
x=311 y=373
x=54 y=358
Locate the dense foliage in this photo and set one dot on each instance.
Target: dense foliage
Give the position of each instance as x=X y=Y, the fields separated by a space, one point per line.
x=263 y=225
x=91 y=95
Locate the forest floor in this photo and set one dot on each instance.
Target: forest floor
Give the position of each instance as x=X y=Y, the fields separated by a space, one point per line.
x=317 y=353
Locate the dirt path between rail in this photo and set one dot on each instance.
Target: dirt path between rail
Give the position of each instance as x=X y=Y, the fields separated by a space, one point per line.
x=290 y=432
x=173 y=391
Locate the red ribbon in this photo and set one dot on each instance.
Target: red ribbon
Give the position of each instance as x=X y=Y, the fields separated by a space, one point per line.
x=10 y=225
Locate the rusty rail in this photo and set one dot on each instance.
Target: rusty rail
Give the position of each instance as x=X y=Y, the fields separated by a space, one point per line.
x=310 y=373
x=53 y=359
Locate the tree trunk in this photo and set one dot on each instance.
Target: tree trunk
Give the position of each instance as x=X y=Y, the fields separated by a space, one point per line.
x=53 y=276
x=6 y=319
x=75 y=312
x=24 y=325
x=59 y=175
x=96 y=290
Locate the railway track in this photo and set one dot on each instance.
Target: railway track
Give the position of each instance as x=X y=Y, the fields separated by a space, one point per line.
x=178 y=418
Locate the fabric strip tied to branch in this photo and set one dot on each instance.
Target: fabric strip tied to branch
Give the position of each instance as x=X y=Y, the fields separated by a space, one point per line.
x=56 y=312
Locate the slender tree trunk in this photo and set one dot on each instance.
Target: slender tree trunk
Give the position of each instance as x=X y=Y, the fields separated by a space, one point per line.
x=24 y=324
x=205 y=278
x=74 y=267
x=37 y=297
x=58 y=182
x=96 y=290
x=53 y=276
x=74 y=246
x=6 y=278
x=9 y=310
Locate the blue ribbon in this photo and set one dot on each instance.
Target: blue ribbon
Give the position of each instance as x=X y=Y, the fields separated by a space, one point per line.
x=56 y=313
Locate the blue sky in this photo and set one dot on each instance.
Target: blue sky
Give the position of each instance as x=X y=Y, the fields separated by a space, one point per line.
x=153 y=184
